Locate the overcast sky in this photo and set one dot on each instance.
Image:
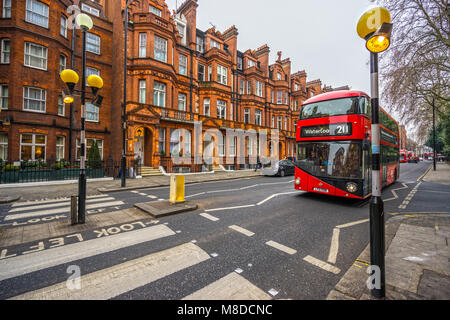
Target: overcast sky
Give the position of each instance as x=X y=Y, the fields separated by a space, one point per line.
x=318 y=35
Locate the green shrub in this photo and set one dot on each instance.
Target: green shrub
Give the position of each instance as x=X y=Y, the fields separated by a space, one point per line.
x=94 y=158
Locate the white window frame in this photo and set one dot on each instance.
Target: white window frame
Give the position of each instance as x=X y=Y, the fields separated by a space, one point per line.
x=222 y=74
x=33 y=145
x=241 y=86
x=142 y=91
x=35 y=17
x=215 y=44
x=90 y=10
x=142 y=44
x=92 y=113
x=61 y=107
x=60 y=148
x=159 y=95
x=62 y=62
x=221 y=109
x=207 y=107
x=246 y=115
x=5 y=55
x=279 y=97
x=250 y=63
x=155 y=11
x=279 y=76
x=259 y=89
x=182 y=98
x=258 y=117
x=28 y=56
x=249 y=87
x=182 y=64
x=279 y=122
x=240 y=63
x=200 y=44
x=93 y=43
x=4 y=97
x=42 y=100
x=63 y=27
x=160 y=49
x=6 y=12
x=181 y=27
x=4 y=146
x=203 y=74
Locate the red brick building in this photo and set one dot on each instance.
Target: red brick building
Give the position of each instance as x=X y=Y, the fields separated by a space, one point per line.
x=36 y=44
x=178 y=77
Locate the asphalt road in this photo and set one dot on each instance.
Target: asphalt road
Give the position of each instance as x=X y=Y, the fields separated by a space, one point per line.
x=287 y=243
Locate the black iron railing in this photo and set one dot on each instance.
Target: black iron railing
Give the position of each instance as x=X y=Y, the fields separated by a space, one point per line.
x=58 y=170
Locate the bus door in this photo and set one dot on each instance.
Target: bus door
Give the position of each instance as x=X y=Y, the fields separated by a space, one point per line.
x=367 y=173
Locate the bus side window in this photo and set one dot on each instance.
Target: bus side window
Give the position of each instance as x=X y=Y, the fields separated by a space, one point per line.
x=364 y=105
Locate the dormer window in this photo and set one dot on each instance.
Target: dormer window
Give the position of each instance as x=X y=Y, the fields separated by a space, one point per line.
x=90 y=10
x=279 y=76
x=297 y=87
x=182 y=30
x=156 y=11
x=215 y=44
x=250 y=63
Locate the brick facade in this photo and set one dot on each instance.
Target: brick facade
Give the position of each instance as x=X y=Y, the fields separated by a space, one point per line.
x=51 y=122
x=177 y=76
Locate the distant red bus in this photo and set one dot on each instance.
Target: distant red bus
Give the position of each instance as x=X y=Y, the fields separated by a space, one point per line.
x=334 y=149
x=405 y=155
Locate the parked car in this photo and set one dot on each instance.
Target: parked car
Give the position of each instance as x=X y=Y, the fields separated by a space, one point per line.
x=414 y=159
x=280 y=168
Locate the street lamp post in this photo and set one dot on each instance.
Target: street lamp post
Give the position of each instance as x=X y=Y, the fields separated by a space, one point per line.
x=374 y=26
x=71 y=78
x=434 y=136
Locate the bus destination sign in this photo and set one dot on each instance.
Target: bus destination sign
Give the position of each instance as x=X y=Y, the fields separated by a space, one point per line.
x=327 y=130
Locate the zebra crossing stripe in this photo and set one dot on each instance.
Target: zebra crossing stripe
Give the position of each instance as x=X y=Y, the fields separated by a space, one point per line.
x=59 y=210
x=31 y=262
x=57 y=204
x=29 y=203
x=231 y=287
x=127 y=276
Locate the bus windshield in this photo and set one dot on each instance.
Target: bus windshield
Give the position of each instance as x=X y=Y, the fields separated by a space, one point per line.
x=330 y=159
x=330 y=108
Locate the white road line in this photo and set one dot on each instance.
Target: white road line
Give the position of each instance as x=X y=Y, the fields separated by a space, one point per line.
x=39 y=260
x=27 y=203
x=281 y=247
x=119 y=279
x=59 y=210
x=395 y=193
x=276 y=195
x=350 y=224
x=53 y=205
x=194 y=195
x=323 y=265
x=142 y=194
x=242 y=230
x=409 y=196
x=210 y=217
x=231 y=208
x=334 y=248
x=231 y=287
x=152 y=197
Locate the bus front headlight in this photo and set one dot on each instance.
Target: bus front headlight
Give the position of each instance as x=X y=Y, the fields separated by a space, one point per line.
x=352 y=187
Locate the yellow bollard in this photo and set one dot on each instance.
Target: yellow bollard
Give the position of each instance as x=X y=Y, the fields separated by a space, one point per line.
x=176 y=189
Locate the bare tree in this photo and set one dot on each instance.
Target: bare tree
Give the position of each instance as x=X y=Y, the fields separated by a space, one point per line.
x=416 y=68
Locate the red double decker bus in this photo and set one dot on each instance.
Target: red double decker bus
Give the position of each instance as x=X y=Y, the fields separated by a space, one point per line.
x=334 y=148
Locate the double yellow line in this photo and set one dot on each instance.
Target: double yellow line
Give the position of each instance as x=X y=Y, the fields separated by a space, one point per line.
x=423 y=175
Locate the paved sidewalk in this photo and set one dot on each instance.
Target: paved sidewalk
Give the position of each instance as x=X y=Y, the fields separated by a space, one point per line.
x=417 y=256
x=441 y=175
x=99 y=187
